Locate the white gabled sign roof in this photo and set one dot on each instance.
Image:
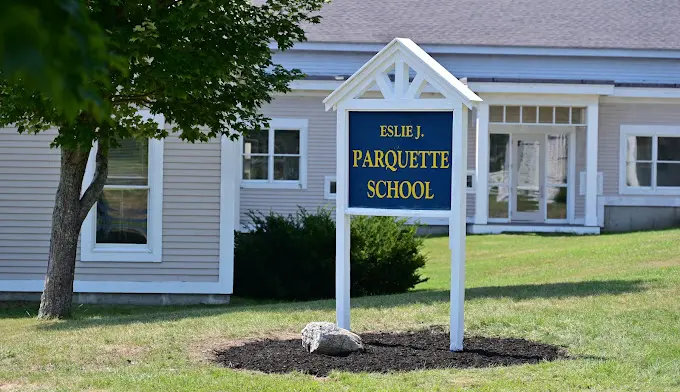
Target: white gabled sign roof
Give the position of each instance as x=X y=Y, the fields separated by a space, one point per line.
x=403 y=49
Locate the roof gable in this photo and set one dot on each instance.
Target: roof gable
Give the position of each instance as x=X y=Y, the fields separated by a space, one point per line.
x=403 y=57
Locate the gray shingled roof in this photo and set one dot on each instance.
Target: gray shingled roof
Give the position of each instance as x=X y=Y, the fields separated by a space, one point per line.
x=614 y=24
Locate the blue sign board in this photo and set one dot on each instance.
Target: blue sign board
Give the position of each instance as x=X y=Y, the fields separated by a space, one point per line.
x=400 y=160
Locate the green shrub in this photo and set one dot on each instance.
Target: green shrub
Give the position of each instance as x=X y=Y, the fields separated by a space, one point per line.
x=293 y=257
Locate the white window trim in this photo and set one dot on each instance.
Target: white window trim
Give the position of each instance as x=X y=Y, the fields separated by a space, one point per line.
x=653 y=131
x=471 y=190
x=150 y=253
x=327 y=187
x=282 y=123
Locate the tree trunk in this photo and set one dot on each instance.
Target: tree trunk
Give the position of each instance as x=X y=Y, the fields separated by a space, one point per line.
x=61 y=264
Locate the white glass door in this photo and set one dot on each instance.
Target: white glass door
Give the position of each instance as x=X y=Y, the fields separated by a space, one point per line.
x=528 y=198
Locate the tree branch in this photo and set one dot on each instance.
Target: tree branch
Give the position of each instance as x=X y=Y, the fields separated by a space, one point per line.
x=133 y=97
x=95 y=189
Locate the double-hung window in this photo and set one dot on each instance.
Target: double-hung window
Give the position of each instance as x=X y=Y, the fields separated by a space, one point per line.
x=125 y=223
x=650 y=160
x=276 y=157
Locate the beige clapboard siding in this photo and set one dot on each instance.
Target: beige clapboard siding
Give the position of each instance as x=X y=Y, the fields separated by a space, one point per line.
x=612 y=116
x=321 y=160
x=29 y=173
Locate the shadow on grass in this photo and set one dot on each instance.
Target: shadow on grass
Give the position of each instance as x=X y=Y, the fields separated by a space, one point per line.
x=86 y=316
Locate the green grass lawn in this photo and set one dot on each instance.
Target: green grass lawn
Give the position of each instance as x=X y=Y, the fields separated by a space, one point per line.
x=612 y=300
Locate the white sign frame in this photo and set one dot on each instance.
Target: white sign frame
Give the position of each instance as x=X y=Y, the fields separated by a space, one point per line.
x=401 y=55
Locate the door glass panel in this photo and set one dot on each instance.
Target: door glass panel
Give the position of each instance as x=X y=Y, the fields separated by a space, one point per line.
x=557 y=202
x=499 y=159
x=557 y=159
x=498 y=201
x=528 y=200
x=528 y=176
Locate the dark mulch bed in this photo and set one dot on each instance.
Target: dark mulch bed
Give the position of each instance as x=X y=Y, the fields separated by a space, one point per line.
x=387 y=351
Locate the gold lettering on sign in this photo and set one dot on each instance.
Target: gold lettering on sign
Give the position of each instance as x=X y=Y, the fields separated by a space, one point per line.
x=393 y=160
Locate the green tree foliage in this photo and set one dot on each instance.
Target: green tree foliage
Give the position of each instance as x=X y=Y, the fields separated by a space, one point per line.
x=206 y=65
x=293 y=257
x=54 y=47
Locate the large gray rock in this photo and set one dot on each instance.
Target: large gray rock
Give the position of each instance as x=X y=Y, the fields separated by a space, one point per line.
x=328 y=338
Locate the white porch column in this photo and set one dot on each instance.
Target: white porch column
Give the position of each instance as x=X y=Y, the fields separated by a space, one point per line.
x=457 y=225
x=342 y=222
x=482 y=165
x=591 y=164
x=230 y=199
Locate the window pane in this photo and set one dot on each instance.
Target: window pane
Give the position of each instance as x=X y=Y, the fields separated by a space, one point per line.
x=557 y=203
x=557 y=159
x=528 y=200
x=287 y=168
x=129 y=163
x=669 y=149
x=496 y=114
x=499 y=159
x=668 y=174
x=529 y=114
x=578 y=115
x=286 y=142
x=334 y=187
x=255 y=168
x=498 y=202
x=512 y=114
x=469 y=181
x=256 y=142
x=545 y=114
x=639 y=148
x=122 y=216
x=638 y=174
x=562 y=115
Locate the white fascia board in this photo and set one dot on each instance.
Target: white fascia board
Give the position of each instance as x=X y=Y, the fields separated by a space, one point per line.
x=482 y=87
x=611 y=92
x=646 y=92
x=490 y=50
x=542 y=88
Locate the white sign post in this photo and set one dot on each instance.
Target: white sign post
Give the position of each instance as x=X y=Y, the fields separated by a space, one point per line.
x=403 y=82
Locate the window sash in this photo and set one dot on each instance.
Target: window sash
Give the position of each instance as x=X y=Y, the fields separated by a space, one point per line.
x=654 y=162
x=92 y=251
x=147 y=187
x=270 y=155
